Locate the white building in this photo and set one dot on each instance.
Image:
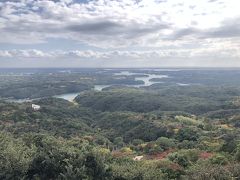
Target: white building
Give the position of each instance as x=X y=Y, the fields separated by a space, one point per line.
x=35 y=107
x=137 y=158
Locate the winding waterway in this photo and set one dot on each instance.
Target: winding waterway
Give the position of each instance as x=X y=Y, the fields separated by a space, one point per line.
x=145 y=77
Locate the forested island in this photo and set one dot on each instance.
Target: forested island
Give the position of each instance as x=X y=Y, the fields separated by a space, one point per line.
x=186 y=127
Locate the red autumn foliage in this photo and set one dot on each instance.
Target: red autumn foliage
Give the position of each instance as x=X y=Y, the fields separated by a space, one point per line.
x=161 y=155
x=205 y=155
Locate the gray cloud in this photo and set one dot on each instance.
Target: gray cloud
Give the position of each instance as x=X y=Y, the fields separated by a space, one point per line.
x=102 y=27
x=181 y=33
x=228 y=29
x=121 y=29
x=212 y=0
x=39 y=20
x=44 y=19
x=109 y=28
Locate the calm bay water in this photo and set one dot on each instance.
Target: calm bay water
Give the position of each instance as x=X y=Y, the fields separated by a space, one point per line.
x=145 y=78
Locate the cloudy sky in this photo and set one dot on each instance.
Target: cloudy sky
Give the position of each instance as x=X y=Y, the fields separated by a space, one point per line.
x=119 y=33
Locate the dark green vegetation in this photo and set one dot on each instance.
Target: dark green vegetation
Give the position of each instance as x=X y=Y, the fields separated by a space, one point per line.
x=46 y=84
x=189 y=132
x=194 y=99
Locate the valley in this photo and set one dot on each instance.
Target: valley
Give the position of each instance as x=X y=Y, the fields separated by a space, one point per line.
x=133 y=128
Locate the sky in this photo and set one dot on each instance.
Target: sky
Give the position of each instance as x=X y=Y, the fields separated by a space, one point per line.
x=119 y=33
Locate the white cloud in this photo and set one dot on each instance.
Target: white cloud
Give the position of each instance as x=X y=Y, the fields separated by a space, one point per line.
x=31 y=53
x=153 y=28
x=217 y=52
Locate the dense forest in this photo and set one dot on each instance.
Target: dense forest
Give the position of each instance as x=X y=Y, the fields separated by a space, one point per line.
x=162 y=131
x=46 y=84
